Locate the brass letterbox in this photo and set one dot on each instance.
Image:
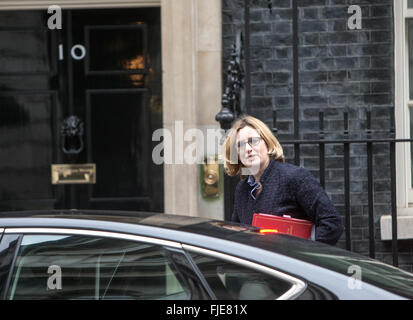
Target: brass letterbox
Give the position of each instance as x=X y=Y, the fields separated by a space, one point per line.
x=74 y=173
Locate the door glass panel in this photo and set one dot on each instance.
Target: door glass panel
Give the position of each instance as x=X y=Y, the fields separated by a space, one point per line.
x=409 y=3
x=120 y=144
x=23 y=18
x=231 y=281
x=28 y=107
x=410 y=44
x=25 y=140
x=411 y=145
x=117 y=48
x=29 y=54
x=84 y=267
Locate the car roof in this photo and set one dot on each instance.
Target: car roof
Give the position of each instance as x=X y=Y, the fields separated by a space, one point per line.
x=132 y=217
x=124 y=221
x=198 y=225
x=136 y=223
x=316 y=253
x=121 y=221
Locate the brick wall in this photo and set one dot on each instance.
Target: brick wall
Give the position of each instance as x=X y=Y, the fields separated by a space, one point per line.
x=339 y=70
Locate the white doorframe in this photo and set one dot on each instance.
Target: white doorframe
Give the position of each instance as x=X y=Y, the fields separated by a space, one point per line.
x=401 y=110
x=75 y=4
x=404 y=190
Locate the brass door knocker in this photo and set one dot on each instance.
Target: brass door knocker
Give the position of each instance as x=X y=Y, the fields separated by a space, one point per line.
x=71 y=132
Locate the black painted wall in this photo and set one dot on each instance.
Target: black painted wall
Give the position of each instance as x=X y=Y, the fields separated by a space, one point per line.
x=338 y=70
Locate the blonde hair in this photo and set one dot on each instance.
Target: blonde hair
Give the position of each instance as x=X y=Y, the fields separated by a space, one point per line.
x=232 y=164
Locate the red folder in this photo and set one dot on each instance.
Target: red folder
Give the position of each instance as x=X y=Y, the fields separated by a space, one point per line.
x=285 y=225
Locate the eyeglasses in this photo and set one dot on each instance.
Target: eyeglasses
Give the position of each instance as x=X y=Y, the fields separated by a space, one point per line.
x=253 y=142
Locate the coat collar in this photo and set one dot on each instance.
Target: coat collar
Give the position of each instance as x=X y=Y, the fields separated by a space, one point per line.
x=251 y=180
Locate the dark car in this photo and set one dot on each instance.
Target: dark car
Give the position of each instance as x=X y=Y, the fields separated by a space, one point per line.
x=127 y=255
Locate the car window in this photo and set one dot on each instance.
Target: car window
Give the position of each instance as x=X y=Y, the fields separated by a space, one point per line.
x=368 y=270
x=86 y=267
x=232 y=281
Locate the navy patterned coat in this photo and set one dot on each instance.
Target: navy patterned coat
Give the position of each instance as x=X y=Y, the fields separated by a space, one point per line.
x=289 y=190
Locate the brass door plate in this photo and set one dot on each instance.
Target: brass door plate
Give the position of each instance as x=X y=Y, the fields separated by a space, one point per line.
x=74 y=173
x=210 y=179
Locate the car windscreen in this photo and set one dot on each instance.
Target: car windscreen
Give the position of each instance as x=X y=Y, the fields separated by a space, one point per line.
x=362 y=269
x=333 y=258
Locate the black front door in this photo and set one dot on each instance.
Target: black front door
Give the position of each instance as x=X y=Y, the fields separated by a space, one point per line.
x=88 y=94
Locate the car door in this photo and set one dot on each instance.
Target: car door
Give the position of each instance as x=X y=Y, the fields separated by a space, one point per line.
x=55 y=263
x=82 y=264
x=233 y=278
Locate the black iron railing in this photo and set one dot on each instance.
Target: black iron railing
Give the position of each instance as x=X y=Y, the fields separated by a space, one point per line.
x=237 y=99
x=346 y=141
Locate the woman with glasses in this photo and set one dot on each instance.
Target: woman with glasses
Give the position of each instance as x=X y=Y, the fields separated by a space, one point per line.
x=273 y=186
